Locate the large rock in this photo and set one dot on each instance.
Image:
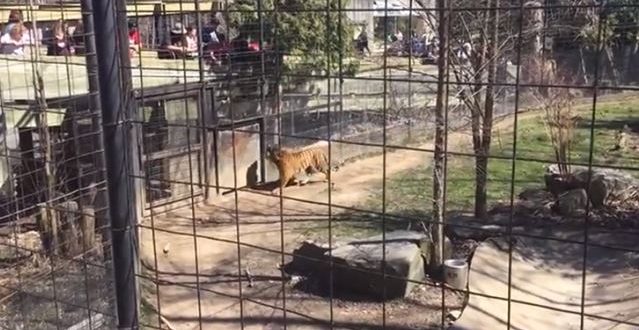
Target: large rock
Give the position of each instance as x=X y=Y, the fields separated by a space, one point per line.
x=358 y=265
x=605 y=184
x=572 y=203
x=309 y=258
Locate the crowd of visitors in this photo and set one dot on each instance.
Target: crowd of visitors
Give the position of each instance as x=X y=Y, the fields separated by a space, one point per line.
x=60 y=40
x=425 y=46
x=66 y=38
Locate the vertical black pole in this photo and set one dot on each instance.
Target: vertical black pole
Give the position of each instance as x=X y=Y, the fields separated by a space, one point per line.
x=100 y=201
x=114 y=115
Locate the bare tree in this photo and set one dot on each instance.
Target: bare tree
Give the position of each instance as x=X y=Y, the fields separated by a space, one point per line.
x=475 y=70
x=482 y=42
x=438 y=157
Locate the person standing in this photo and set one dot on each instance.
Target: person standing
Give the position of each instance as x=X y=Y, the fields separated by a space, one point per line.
x=362 y=42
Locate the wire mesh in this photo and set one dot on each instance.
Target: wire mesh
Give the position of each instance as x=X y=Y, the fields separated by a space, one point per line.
x=498 y=133
x=55 y=239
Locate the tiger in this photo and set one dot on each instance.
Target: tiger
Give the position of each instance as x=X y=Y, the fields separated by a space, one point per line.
x=292 y=162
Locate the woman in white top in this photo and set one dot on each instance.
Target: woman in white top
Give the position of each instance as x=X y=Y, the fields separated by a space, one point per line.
x=30 y=35
x=12 y=42
x=191 y=41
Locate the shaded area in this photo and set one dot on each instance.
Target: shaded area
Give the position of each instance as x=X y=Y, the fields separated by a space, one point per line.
x=546 y=284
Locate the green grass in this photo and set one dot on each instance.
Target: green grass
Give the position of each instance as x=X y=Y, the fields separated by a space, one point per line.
x=410 y=193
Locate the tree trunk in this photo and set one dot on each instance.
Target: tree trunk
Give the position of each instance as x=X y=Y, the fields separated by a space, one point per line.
x=482 y=147
x=627 y=55
x=437 y=227
x=48 y=228
x=584 y=69
x=481 y=193
x=610 y=57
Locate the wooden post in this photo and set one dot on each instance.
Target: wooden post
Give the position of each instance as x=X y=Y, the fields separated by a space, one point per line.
x=48 y=227
x=70 y=237
x=87 y=225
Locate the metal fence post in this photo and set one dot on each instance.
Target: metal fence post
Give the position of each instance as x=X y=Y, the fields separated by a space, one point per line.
x=114 y=116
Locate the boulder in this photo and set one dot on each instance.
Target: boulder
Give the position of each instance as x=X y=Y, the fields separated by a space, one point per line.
x=358 y=265
x=535 y=195
x=605 y=184
x=572 y=203
x=308 y=258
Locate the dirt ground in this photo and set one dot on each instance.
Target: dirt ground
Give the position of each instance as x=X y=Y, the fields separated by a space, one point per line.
x=260 y=227
x=267 y=226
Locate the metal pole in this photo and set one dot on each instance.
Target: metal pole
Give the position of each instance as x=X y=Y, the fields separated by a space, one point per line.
x=99 y=201
x=114 y=115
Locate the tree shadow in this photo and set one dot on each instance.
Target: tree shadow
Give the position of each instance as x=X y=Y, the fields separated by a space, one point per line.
x=612 y=124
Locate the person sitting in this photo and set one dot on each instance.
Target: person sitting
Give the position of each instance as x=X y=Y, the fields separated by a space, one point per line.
x=31 y=36
x=12 y=42
x=75 y=34
x=15 y=17
x=191 y=41
x=181 y=44
x=177 y=33
x=135 y=43
x=60 y=45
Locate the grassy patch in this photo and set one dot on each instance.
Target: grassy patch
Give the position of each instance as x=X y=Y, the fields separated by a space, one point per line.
x=410 y=193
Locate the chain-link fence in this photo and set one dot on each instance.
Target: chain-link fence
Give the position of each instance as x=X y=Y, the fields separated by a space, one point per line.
x=312 y=164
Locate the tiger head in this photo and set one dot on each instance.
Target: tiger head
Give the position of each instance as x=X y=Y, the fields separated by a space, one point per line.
x=273 y=154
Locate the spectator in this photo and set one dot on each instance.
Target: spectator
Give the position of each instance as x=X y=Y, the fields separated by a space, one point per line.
x=11 y=42
x=60 y=45
x=181 y=44
x=362 y=42
x=31 y=36
x=191 y=40
x=15 y=16
x=76 y=38
x=177 y=33
x=217 y=50
x=210 y=33
x=391 y=38
x=399 y=36
x=135 y=43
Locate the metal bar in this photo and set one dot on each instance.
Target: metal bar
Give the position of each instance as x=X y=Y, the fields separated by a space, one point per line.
x=262 y=127
x=513 y=172
x=114 y=115
x=96 y=120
